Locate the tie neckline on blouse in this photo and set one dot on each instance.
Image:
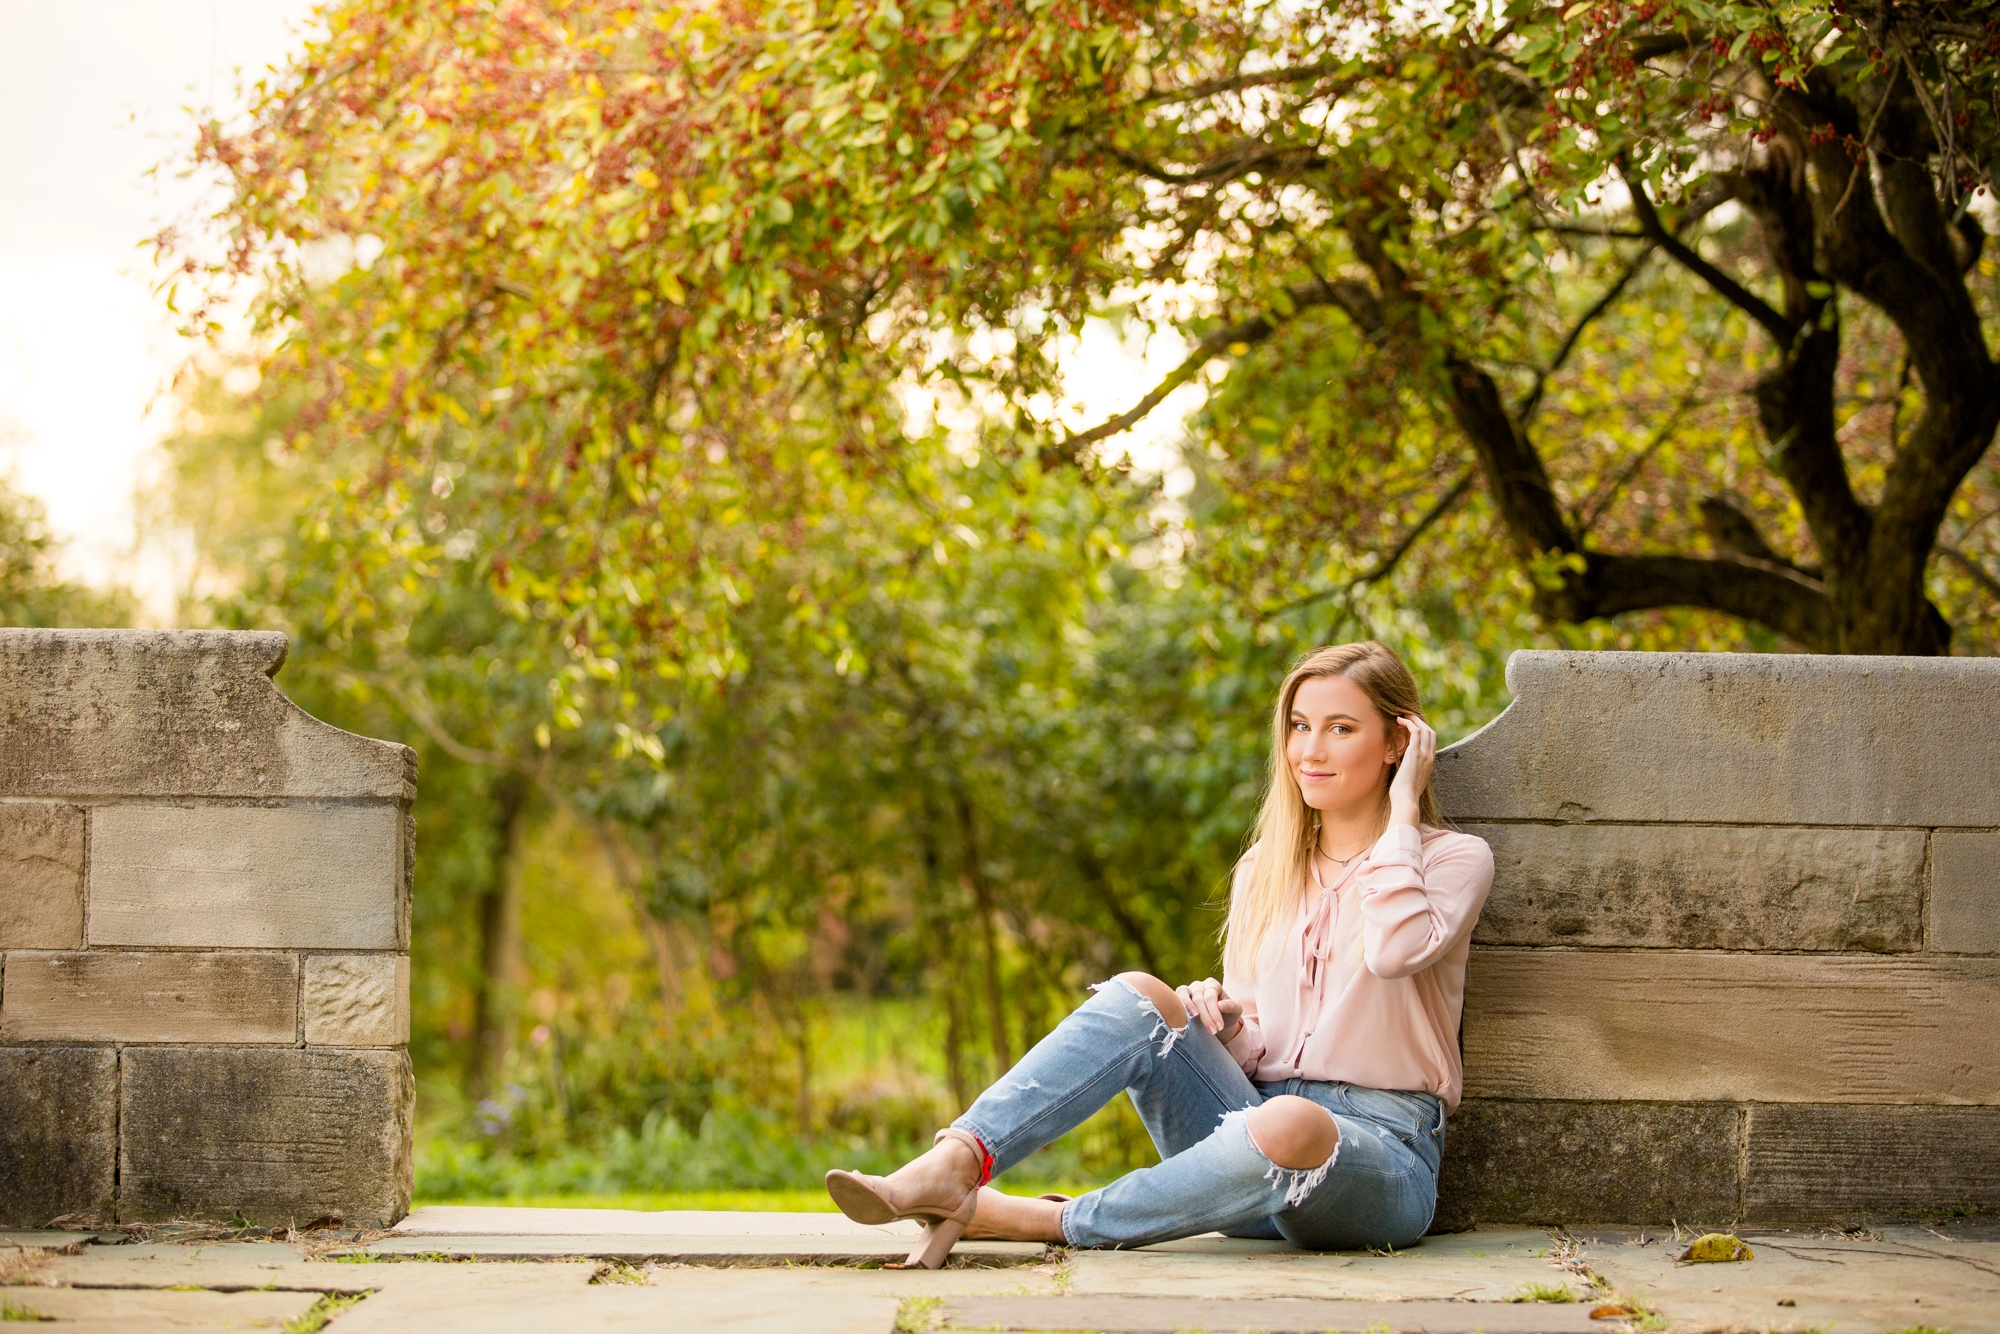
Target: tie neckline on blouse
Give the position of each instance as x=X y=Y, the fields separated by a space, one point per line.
x=1316 y=947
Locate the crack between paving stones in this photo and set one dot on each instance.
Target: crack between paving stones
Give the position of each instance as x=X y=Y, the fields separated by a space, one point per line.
x=1910 y=1253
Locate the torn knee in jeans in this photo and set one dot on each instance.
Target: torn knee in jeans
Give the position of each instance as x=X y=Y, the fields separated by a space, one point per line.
x=1300 y=1140
x=1157 y=999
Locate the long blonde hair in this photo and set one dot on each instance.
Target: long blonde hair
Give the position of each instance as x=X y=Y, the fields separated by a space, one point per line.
x=1281 y=858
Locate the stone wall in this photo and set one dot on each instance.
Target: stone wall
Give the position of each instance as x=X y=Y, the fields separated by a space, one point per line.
x=1742 y=957
x=204 y=939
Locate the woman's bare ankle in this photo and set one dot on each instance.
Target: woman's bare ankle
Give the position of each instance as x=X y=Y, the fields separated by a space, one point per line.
x=1004 y=1217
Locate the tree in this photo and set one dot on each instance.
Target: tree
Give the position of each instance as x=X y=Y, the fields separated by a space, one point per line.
x=638 y=243
x=33 y=591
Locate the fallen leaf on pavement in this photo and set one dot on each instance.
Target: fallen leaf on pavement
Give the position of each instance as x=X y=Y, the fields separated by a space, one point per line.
x=1716 y=1248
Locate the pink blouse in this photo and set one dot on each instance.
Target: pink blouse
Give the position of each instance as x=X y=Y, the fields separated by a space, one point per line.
x=1364 y=983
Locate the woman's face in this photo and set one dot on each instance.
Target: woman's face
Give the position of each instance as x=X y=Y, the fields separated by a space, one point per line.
x=1339 y=747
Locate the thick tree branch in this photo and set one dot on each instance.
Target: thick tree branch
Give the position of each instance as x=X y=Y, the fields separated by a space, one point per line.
x=1516 y=477
x=1727 y=287
x=1238 y=82
x=1607 y=584
x=1787 y=601
x=1654 y=45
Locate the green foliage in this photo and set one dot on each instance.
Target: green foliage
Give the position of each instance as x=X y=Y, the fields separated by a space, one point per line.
x=866 y=860
x=32 y=591
x=651 y=280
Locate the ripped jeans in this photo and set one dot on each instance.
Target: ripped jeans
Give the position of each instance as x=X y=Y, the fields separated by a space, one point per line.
x=1378 y=1189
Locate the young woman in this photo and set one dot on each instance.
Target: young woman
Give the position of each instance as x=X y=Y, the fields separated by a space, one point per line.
x=1304 y=1096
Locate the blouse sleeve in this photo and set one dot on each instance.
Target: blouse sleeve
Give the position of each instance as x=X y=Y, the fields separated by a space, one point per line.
x=1414 y=911
x=1247 y=1047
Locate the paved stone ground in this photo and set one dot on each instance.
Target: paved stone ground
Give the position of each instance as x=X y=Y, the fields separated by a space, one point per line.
x=499 y=1271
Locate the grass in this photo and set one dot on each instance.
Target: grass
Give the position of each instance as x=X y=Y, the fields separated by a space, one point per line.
x=1544 y=1292
x=917 y=1315
x=313 y=1319
x=734 y=1201
x=729 y=1201
x=12 y=1310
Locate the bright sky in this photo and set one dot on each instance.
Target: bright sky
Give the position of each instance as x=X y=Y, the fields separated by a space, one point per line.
x=94 y=93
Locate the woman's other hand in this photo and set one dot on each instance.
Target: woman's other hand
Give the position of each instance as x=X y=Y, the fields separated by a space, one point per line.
x=1207 y=1001
x=1413 y=774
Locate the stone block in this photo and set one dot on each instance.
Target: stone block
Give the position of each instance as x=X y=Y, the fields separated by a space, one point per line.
x=58 y=1133
x=1668 y=1026
x=105 y=996
x=274 y=1135
x=1560 y=1162
x=247 y=877
x=1965 y=892
x=1704 y=887
x=357 y=1000
x=1814 y=1163
x=41 y=876
x=1735 y=738
x=173 y=713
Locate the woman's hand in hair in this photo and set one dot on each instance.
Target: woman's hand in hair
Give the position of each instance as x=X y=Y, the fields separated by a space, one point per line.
x=1207 y=1001
x=1413 y=773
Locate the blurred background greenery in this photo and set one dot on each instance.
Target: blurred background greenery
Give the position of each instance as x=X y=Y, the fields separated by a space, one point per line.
x=844 y=888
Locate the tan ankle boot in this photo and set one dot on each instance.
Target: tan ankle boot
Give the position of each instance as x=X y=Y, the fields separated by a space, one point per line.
x=939 y=1189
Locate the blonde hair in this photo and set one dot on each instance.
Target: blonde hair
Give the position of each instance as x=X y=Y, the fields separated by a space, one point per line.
x=1281 y=858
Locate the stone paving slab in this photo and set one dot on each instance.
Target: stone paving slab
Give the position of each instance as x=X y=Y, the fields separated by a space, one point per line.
x=694 y=1237
x=15 y=1237
x=735 y=1251
x=1487 y=1264
x=242 y=1266
x=748 y=1308
x=691 y=1278
x=1894 y=1279
x=145 y=1310
x=1265 y=1315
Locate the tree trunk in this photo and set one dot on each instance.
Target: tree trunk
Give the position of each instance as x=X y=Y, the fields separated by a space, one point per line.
x=931 y=915
x=982 y=898
x=500 y=935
